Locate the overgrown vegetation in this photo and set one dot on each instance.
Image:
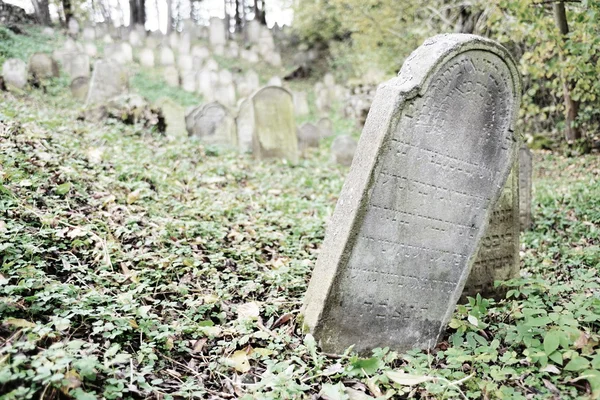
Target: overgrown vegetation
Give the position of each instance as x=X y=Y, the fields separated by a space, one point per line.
x=141 y=266
x=366 y=36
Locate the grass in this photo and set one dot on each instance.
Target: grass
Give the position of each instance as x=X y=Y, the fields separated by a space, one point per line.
x=140 y=266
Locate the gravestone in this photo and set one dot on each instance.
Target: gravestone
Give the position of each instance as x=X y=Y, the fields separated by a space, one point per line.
x=308 y=136
x=200 y=52
x=498 y=254
x=146 y=58
x=217 y=36
x=89 y=34
x=185 y=62
x=73 y=27
x=171 y=76
x=275 y=81
x=206 y=83
x=343 y=148
x=135 y=39
x=432 y=160
x=42 y=66
x=213 y=124
x=166 y=56
x=185 y=43
x=90 y=49
x=267 y=122
x=188 y=81
x=301 y=104
x=109 y=79
x=79 y=87
x=174 y=116
x=525 y=187
x=325 y=127
x=14 y=73
x=76 y=65
x=253 y=31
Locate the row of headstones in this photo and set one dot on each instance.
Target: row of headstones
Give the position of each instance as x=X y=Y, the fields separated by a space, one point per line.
x=430 y=209
x=265 y=126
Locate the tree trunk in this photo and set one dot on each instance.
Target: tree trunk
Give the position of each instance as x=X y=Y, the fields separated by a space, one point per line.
x=571 y=106
x=169 y=16
x=42 y=13
x=259 y=11
x=137 y=12
x=68 y=10
x=239 y=9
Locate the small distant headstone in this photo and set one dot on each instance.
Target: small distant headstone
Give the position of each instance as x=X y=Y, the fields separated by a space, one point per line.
x=525 y=187
x=275 y=81
x=171 y=76
x=219 y=50
x=173 y=40
x=301 y=104
x=42 y=66
x=89 y=34
x=325 y=127
x=185 y=62
x=14 y=73
x=432 y=160
x=79 y=87
x=166 y=56
x=73 y=27
x=323 y=100
x=109 y=79
x=146 y=57
x=211 y=65
x=90 y=49
x=253 y=31
x=274 y=59
x=329 y=80
x=107 y=39
x=207 y=81
x=200 y=52
x=174 y=116
x=47 y=31
x=152 y=42
x=343 y=148
x=135 y=39
x=77 y=65
x=188 y=81
x=249 y=56
x=127 y=51
x=308 y=136
x=185 y=43
x=266 y=120
x=233 y=50
x=217 y=36
x=213 y=124
x=119 y=52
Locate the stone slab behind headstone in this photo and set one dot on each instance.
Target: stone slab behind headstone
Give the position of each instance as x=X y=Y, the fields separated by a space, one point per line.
x=498 y=254
x=42 y=66
x=109 y=79
x=432 y=161
x=213 y=124
x=79 y=87
x=525 y=187
x=274 y=128
x=174 y=116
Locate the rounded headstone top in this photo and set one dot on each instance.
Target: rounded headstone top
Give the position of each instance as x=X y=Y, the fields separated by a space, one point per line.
x=422 y=63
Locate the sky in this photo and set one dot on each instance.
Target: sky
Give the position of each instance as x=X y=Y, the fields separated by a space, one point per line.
x=278 y=11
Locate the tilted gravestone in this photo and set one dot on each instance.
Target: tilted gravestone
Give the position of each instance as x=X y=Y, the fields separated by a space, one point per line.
x=109 y=79
x=213 y=124
x=266 y=122
x=432 y=160
x=525 y=187
x=498 y=255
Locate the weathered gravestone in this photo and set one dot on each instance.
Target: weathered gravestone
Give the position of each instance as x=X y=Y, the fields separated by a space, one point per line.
x=498 y=254
x=174 y=116
x=14 y=73
x=217 y=36
x=432 y=160
x=146 y=57
x=213 y=124
x=325 y=126
x=343 y=149
x=525 y=187
x=109 y=79
x=266 y=123
x=76 y=65
x=301 y=104
x=42 y=66
x=308 y=136
x=79 y=87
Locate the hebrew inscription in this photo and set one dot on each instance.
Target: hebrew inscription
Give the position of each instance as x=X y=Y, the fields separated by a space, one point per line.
x=399 y=248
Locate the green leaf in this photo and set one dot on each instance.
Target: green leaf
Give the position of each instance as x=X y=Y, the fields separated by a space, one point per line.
x=63 y=189
x=367 y=365
x=333 y=392
x=551 y=342
x=556 y=357
x=577 y=364
x=593 y=377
